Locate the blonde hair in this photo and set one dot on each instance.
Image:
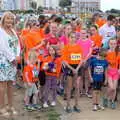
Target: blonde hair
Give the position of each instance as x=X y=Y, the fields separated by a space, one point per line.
x=32 y=55
x=4 y=16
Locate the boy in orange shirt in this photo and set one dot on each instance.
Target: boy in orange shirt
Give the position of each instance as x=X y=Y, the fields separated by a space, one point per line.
x=31 y=72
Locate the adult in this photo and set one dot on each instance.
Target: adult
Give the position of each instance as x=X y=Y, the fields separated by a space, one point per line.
x=107 y=31
x=9 y=50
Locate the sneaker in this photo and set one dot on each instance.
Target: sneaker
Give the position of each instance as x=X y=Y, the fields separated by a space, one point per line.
x=14 y=112
x=113 y=105
x=45 y=105
x=29 y=108
x=110 y=103
x=95 y=108
x=65 y=97
x=68 y=109
x=105 y=102
x=100 y=107
x=53 y=103
x=88 y=95
x=36 y=106
x=76 y=109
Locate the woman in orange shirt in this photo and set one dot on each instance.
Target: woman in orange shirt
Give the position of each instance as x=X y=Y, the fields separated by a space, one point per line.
x=113 y=75
x=72 y=60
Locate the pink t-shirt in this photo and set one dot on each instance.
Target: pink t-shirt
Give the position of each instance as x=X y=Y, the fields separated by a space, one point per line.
x=51 y=39
x=86 y=45
x=64 y=40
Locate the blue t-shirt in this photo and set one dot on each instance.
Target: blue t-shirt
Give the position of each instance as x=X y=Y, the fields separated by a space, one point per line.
x=98 y=68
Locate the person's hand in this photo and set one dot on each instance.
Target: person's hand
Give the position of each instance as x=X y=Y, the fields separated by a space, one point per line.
x=105 y=83
x=91 y=79
x=30 y=84
x=75 y=71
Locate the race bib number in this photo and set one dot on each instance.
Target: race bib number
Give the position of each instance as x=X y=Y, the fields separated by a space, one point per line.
x=75 y=56
x=99 y=70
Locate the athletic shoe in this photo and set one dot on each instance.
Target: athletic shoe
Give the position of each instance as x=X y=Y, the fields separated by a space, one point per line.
x=76 y=109
x=29 y=108
x=100 y=107
x=45 y=105
x=113 y=105
x=53 y=103
x=88 y=95
x=105 y=102
x=68 y=109
x=36 y=106
x=95 y=108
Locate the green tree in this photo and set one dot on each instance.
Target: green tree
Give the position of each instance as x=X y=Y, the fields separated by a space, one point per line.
x=65 y=3
x=40 y=9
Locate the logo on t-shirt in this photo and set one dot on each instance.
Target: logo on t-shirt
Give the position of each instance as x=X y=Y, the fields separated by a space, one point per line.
x=75 y=56
x=98 y=70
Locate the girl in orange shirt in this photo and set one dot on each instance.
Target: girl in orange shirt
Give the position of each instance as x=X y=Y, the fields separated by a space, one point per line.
x=52 y=67
x=72 y=60
x=95 y=37
x=113 y=75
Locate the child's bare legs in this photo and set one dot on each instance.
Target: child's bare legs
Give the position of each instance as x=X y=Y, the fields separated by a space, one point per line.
x=68 y=90
x=77 y=90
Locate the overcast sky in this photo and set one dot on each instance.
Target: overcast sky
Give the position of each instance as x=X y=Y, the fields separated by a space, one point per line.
x=108 y=4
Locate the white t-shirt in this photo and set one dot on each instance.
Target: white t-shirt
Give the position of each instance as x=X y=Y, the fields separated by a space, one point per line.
x=107 y=32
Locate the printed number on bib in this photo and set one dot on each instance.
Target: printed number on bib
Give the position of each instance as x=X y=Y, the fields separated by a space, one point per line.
x=75 y=56
x=98 y=70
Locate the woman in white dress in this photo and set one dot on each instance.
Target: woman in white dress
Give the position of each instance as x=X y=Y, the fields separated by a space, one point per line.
x=9 y=50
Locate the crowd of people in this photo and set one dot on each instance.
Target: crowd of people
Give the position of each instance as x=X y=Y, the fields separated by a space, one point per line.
x=55 y=56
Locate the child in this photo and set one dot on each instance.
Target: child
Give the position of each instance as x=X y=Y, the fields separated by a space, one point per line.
x=86 y=45
x=98 y=67
x=52 y=67
x=72 y=59
x=30 y=78
x=113 y=58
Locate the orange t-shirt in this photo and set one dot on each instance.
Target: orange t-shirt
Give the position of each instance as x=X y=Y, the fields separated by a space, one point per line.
x=72 y=54
x=32 y=73
x=56 y=68
x=78 y=28
x=97 y=39
x=113 y=59
x=32 y=39
x=100 y=22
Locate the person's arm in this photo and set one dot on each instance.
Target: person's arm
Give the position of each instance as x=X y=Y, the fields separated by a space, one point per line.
x=90 y=74
x=39 y=45
x=106 y=80
x=27 y=79
x=69 y=66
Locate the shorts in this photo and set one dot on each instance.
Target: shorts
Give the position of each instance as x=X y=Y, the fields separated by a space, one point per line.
x=69 y=71
x=113 y=73
x=31 y=90
x=97 y=85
